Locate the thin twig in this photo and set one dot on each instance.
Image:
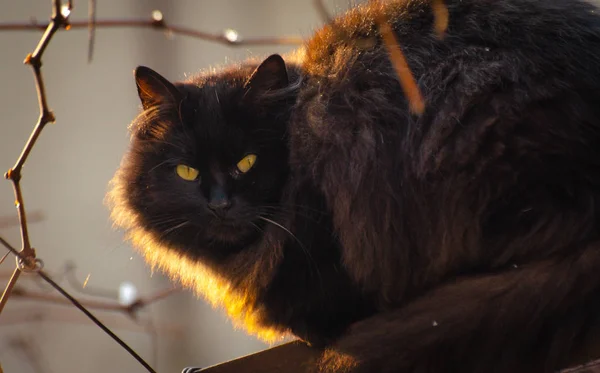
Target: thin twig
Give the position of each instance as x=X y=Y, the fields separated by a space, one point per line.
x=322 y=9
x=46 y=116
x=114 y=320
x=76 y=303
x=151 y=329
x=82 y=287
x=441 y=17
x=27 y=254
x=32 y=217
x=31 y=351
x=406 y=77
x=138 y=304
x=3 y=259
x=8 y=289
x=91 y=28
x=157 y=22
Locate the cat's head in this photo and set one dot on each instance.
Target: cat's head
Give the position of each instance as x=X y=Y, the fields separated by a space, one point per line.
x=208 y=157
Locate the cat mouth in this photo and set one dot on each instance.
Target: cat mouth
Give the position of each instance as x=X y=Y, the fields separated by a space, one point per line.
x=228 y=230
x=225 y=223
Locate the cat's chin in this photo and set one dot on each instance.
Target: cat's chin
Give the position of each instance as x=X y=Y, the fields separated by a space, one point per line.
x=231 y=233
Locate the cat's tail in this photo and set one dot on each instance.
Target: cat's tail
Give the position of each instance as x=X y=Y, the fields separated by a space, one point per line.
x=531 y=318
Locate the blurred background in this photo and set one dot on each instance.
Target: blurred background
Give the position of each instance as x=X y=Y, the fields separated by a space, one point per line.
x=66 y=176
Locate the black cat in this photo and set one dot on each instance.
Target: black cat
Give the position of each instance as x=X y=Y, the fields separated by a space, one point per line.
x=205 y=190
x=309 y=198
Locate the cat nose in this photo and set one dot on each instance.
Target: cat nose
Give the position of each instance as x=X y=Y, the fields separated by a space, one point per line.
x=219 y=205
x=218 y=201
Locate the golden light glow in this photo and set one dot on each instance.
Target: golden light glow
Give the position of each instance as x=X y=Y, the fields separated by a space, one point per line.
x=240 y=305
x=186 y=172
x=336 y=361
x=246 y=163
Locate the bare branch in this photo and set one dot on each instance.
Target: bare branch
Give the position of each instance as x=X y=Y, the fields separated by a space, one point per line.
x=441 y=17
x=32 y=217
x=157 y=22
x=46 y=116
x=135 y=306
x=91 y=28
x=406 y=77
x=34 y=265
x=82 y=287
x=31 y=350
x=9 y=287
x=114 y=320
x=3 y=259
x=322 y=9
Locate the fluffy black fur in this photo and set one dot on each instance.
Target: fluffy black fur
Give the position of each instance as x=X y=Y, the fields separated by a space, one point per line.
x=466 y=239
x=274 y=245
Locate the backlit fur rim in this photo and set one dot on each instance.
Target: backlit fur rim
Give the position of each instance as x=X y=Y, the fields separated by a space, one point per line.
x=240 y=307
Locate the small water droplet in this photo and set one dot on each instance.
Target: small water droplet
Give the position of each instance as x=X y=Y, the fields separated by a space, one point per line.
x=157 y=15
x=131 y=258
x=515 y=266
x=127 y=293
x=487 y=49
x=231 y=35
x=434 y=323
x=65 y=11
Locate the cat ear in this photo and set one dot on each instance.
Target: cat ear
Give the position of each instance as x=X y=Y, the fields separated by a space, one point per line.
x=269 y=75
x=153 y=89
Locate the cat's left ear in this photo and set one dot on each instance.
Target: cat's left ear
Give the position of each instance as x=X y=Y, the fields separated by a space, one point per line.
x=271 y=74
x=153 y=89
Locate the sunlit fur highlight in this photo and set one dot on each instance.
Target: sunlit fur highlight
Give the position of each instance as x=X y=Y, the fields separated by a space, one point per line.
x=241 y=307
x=337 y=362
x=238 y=300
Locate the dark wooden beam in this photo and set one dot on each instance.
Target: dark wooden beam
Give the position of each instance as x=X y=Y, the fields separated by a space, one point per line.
x=292 y=357
x=295 y=357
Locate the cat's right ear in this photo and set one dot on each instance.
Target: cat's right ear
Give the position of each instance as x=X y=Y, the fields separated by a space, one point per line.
x=270 y=75
x=153 y=89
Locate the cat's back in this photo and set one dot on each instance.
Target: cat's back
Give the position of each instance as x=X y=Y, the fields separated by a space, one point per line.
x=509 y=90
x=552 y=34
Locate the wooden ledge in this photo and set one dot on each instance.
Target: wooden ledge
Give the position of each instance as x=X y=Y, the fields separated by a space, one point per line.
x=295 y=357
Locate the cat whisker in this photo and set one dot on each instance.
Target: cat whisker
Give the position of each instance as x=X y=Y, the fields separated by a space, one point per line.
x=258 y=228
x=284 y=228
x=273 y=211
x=304 y=249
x=181 y=225
x=160 y=164
x=295 y=208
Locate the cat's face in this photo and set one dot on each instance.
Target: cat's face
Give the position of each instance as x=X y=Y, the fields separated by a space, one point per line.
x=208 y=161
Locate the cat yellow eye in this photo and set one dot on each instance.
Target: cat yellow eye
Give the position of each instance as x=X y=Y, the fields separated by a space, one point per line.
x=246 y=163
x=186 y=172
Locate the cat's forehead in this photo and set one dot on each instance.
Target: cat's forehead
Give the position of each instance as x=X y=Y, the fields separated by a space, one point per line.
x=214 y=116
x=215 y=121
